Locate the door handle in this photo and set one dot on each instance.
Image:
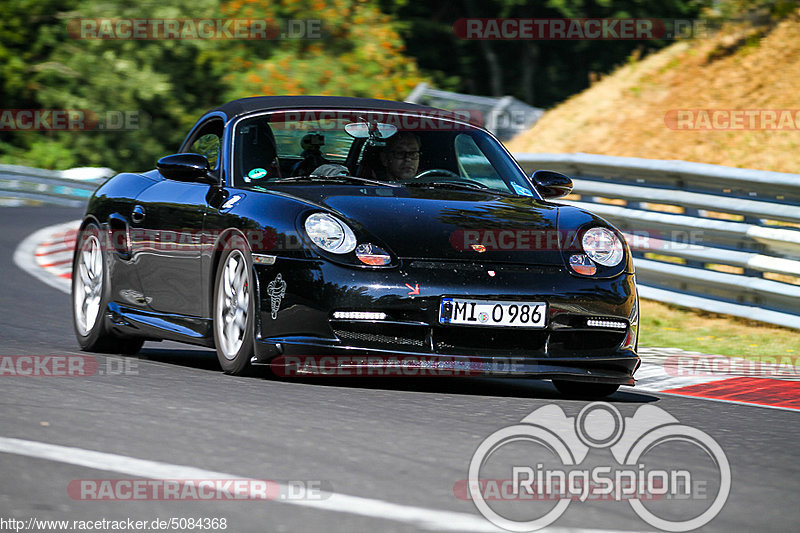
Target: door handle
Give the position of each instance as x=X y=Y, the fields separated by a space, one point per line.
x=138 y=214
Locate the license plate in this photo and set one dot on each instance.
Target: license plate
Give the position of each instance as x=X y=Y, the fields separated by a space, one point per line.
x=467 y=312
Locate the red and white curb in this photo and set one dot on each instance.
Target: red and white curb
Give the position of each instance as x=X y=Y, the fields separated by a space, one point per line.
x=55 y=254
x=681 y=373
x=47 y=254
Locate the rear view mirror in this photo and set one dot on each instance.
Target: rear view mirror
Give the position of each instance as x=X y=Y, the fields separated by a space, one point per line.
x=370 y=130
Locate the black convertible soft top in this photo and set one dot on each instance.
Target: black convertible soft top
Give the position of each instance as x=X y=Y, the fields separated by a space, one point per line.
x=243 y=106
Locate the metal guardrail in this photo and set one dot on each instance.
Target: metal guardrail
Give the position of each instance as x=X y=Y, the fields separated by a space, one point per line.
x=722 y=239
x=59 y=187
x=504 y=116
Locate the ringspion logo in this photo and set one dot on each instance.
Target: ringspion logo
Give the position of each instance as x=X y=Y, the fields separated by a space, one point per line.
x=674 y=476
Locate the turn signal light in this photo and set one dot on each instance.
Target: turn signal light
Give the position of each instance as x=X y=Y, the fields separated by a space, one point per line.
x=581 y=264
x=372 y=255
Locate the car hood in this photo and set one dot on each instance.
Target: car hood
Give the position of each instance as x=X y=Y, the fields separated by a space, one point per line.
x=445 y=224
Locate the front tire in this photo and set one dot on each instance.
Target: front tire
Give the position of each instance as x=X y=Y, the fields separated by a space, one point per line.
x=582 y=389
x=234 y=308
x=90 y=297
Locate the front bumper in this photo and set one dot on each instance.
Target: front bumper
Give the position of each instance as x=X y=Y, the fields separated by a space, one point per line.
x=567 y=348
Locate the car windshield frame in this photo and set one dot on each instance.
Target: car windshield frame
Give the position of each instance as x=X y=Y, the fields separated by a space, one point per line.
x=501 y=155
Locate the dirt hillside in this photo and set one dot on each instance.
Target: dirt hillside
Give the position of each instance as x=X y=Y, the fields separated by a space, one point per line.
x=732 y=98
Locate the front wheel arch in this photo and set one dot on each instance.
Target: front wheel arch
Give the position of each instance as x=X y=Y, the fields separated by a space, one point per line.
x=234 y=340
x=97 y=337
x=221 y=242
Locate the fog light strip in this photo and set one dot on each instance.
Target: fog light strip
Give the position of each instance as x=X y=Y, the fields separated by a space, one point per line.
x=596 y=323
x=358 y=315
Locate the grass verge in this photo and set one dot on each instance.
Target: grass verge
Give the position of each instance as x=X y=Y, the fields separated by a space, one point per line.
x=670 y=326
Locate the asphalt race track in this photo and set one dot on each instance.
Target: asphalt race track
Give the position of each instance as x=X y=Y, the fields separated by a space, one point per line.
x=370 y=455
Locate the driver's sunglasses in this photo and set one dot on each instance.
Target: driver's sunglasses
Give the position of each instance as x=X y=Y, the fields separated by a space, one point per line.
x=405 y=155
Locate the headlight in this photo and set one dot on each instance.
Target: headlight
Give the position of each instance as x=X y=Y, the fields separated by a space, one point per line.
x=603 y=246
x=330 y=233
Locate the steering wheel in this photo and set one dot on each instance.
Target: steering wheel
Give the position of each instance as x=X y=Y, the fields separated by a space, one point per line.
x=449 y=175
x=434 y=171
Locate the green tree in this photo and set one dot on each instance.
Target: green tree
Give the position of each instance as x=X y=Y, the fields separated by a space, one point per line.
x=29 y=33
x=165 y=85
x=540 y=72
x=162 y=84
x=357 y=52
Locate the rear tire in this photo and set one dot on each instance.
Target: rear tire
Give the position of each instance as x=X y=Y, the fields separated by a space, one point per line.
x=90 y=297
x=583 y=389
x=234 y=308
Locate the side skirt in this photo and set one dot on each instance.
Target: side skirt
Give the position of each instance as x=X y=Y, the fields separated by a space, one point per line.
x=159 y=326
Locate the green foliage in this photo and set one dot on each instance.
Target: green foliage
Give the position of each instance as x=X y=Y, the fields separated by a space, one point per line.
x=29 y=31
x=375 y=48
x=356 y=52
x=42 y=153
x=539 y=72
x=776 y=9
x=167 y=84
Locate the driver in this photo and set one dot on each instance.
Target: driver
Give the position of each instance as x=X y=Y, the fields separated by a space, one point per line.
x=400 y=157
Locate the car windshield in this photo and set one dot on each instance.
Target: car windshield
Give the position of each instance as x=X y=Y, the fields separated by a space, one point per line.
x=424 y=151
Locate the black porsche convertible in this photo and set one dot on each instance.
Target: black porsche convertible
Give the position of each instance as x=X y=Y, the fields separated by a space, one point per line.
x=363 y=232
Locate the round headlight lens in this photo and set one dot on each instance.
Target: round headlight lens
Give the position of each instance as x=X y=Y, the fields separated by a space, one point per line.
x=330 y=233
x=603 y=246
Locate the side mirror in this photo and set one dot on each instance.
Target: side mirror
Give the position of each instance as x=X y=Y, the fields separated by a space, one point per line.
x=185 y=167
x=551 y=184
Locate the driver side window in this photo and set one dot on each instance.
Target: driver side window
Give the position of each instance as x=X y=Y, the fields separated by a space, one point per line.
x=206 y=140
x=472 y=160
x=207 y=145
